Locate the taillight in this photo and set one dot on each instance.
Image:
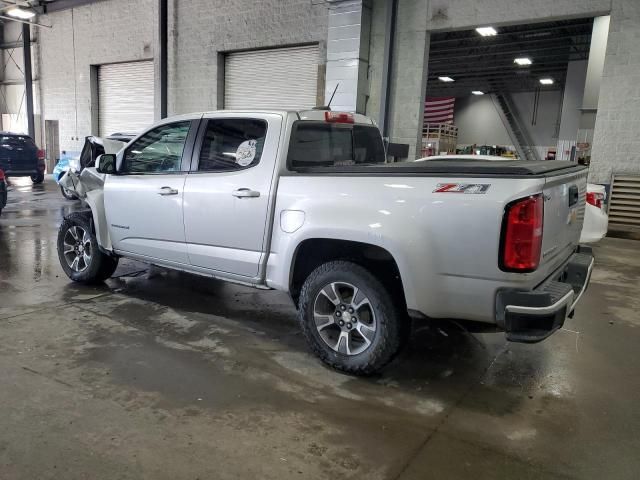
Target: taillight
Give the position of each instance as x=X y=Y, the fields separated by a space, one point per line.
x=595 y=199
x=40 y=154
x=338 y=117
x=522 y=235
x=1 y=175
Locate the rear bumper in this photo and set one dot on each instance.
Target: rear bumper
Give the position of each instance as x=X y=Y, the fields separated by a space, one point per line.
x=531 y=316
x=23 y=173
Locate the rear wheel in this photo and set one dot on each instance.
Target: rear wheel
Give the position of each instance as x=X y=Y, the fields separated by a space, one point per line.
x=349 y=319
x=37 y=178
x=79 y=254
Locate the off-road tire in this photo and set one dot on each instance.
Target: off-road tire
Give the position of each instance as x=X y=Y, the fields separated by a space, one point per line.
x=392 y=322
x=37 y=178
x=101 y=265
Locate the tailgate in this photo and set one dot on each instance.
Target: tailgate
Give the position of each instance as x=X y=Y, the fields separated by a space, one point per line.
x=564 y=204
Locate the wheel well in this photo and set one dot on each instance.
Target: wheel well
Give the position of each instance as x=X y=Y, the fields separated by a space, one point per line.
x=312 y=253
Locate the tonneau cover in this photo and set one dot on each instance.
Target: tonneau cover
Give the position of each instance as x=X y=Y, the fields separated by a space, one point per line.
x=455 y=167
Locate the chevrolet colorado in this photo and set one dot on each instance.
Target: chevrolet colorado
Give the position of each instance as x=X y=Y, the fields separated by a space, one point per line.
x=305 y=202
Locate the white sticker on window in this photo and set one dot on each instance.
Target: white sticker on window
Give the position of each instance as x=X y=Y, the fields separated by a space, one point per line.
x=246 y=153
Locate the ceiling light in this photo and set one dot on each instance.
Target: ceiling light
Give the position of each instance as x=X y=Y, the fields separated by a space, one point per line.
x=486 y=31
x=477 y=92
x=446 y=79
x=523 y=61
x=546 y=81
x=18 y=12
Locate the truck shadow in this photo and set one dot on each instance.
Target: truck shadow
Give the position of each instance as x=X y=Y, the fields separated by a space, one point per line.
x=437 y=349
x=245 y=333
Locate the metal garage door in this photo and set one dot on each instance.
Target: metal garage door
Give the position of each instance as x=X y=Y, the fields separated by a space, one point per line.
x=125 y=96
x=280 y=78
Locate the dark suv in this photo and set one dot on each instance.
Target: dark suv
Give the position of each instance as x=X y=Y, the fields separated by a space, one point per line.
x=3 y=191
x=19 y=157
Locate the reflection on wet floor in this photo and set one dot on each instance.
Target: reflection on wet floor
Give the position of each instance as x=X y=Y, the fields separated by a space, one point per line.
x=195 y=377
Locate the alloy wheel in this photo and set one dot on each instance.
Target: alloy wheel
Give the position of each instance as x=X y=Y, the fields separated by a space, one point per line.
x=77 y=248
x=344 y=318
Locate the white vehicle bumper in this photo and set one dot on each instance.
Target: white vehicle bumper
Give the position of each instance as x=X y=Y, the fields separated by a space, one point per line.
x=596 y=222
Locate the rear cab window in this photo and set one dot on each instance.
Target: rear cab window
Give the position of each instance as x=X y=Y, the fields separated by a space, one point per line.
x=324 y=144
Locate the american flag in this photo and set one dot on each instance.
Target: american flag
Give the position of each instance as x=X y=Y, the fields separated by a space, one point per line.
x=439 y=109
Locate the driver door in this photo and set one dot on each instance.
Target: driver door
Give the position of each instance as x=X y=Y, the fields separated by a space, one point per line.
x=143 y=201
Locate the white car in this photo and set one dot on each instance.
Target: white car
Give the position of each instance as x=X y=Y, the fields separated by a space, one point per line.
x=596 y=220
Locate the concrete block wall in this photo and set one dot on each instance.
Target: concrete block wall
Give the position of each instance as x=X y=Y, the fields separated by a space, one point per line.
x=200 y=31
x=616 y=142
x=103 y=32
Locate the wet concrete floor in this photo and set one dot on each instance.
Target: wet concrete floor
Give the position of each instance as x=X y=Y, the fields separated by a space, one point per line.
x=160 y=375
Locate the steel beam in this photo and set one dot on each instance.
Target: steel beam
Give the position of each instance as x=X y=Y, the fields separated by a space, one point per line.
x=163 y=57
x=28 y=79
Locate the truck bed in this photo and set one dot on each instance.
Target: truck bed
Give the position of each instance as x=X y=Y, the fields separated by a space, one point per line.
x=454 y=167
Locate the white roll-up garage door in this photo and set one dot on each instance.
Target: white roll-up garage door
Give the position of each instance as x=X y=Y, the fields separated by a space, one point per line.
x=125 y=96
x=282 y=78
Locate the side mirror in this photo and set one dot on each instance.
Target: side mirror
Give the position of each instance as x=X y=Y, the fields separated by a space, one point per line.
x=106 y=163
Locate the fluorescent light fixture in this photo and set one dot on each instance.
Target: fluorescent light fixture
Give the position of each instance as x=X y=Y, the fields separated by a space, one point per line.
x=523 y=61
x=18 y=12
x=546 y=81
x=477 y=92
x=486 y=31
x=446 y=79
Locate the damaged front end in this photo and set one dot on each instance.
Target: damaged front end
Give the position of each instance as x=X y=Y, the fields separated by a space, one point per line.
x=89 y=188
x=81 y=185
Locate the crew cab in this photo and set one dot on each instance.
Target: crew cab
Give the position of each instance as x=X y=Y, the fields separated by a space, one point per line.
x=305 y=202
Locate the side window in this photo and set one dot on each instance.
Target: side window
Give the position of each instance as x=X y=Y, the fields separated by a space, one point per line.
x=232 y=144
x=157 y=151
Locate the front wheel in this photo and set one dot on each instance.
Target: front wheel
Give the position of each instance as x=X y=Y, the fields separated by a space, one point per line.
x=349 y=319
x=79 y=254
x=67 y=194
x=37 y=178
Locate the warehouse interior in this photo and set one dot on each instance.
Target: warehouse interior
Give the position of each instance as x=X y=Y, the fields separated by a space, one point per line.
x=505 y=103
x=157 y=368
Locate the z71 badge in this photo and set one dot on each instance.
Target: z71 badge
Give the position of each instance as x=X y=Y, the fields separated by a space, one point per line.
x=462 y=188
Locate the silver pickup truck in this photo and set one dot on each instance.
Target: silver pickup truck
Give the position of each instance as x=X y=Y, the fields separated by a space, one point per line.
x=305 y=202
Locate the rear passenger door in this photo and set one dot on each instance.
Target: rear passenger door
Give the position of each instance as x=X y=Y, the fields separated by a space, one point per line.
x=228 y=193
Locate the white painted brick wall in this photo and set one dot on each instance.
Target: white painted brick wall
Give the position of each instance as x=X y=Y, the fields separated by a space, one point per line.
x=616 y=142
x=123 y=30
x=201 y=29
x=105 y=32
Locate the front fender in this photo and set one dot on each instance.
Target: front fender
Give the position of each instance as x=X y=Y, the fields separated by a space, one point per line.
x=95 y=201
x=89 y=188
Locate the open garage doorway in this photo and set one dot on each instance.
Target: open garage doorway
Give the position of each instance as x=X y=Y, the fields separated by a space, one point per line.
x=515 y=91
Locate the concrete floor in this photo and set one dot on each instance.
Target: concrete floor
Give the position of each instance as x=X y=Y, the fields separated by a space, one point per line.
x=160 y=375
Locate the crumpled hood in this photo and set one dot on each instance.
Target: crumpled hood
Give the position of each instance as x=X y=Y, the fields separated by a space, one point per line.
x=84 y=183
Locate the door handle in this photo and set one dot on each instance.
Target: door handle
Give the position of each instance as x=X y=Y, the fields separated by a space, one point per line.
x=167 y=191
x=245 y=193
